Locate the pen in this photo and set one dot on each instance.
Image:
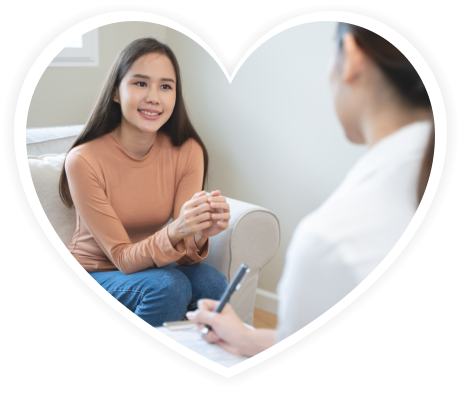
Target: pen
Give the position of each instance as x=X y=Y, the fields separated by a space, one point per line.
x=234 y=285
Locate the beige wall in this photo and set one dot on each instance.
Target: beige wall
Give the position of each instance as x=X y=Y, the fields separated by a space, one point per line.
x=272 y=135
x=66 y=95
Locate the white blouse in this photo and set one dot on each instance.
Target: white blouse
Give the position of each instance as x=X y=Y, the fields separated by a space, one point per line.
x=334 y=248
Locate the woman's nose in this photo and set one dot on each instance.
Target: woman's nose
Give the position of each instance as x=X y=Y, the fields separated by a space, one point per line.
x=153 y=96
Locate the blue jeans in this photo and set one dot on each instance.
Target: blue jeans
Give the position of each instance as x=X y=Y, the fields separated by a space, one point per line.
x=163 y=294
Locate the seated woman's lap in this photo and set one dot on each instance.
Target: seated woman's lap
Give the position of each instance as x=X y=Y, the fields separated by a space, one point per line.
x=206 y=281
x=164 y=294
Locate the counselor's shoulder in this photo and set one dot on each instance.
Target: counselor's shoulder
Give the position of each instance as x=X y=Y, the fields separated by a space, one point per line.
x=309 y=241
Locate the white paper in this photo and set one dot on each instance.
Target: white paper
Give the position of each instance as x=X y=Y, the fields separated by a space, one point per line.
x=192 y=339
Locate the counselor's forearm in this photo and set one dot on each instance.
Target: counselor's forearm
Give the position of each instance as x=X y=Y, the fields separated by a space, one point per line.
x=256 y=341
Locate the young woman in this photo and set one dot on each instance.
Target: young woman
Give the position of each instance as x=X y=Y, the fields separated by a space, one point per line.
x=382 y=102
x=137 y=163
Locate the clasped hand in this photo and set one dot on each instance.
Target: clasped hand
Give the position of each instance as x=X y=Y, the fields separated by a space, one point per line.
x=202 y=216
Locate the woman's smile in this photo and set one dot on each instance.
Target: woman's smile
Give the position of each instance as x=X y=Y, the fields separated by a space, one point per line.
x=150 y=114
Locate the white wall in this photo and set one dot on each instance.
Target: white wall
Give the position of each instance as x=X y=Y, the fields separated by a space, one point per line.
x=272 y=135
x=66 y=95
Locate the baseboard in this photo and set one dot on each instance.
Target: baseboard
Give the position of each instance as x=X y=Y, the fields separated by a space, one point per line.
x=266 y=301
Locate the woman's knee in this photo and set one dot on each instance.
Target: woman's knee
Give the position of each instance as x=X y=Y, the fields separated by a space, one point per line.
x=211 y=284
x=165 y=298
x=213 y=273
x=173 y=286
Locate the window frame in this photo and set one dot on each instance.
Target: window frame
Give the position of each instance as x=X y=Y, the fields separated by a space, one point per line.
x=87 y=56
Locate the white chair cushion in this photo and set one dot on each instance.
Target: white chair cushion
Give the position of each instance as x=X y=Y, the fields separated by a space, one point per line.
x=45 y=171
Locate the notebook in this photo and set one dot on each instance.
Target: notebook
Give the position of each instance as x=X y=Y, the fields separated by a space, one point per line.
x=192 y=339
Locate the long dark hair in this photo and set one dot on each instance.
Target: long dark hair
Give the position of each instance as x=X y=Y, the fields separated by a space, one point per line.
x=107 y=115
x=403 y=76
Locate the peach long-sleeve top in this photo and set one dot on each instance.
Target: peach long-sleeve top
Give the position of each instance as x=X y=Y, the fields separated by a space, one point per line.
x=123 y=203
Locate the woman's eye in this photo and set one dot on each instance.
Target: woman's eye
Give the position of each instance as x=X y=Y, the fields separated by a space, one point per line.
x=165 y=87
x=141 y=84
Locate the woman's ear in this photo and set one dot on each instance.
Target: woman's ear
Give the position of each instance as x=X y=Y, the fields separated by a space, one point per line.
x=353 y=59
x=115 y=97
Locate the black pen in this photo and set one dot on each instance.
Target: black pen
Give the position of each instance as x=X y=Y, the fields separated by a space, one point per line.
x=234 y=285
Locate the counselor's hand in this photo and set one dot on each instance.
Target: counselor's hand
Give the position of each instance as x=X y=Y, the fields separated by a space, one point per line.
x=228 y=330
x=195 y=216
x=220 y=215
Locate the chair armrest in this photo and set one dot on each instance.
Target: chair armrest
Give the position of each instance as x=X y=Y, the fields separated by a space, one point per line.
x=252 y=238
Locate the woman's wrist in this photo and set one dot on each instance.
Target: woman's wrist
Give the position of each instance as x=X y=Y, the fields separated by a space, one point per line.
x=200 y=241
x=173 y=234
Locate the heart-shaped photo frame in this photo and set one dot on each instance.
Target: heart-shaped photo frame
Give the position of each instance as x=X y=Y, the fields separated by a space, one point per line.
x=259 y=198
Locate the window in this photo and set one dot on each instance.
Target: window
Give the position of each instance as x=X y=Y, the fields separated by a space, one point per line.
x=82 y=52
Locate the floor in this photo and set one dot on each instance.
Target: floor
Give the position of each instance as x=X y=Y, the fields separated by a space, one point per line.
x=264 y=320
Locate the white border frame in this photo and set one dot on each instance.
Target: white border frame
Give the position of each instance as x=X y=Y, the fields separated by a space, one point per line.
x=87 y=56
x=401 y=43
